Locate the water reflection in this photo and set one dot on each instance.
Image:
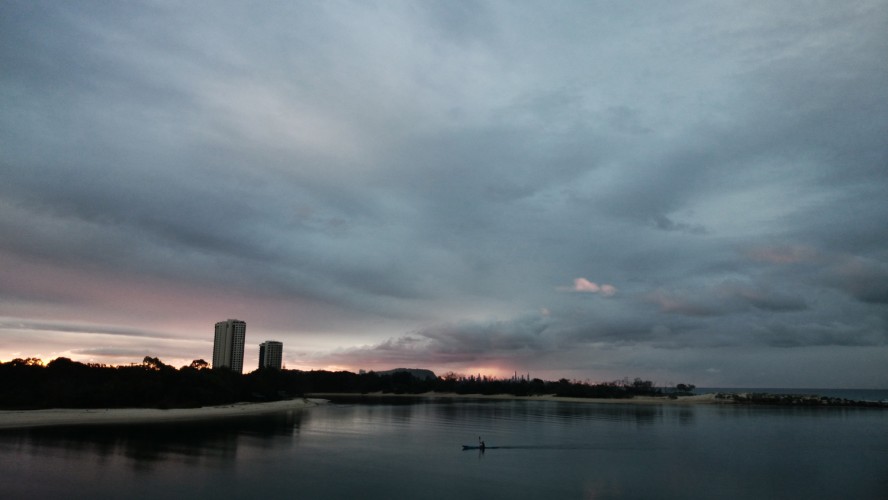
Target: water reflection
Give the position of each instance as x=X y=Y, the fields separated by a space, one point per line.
x=535 y=449
x=686 y=416
x=144 y=444
x=545 y=411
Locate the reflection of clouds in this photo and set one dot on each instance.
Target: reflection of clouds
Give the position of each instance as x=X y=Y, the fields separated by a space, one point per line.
x=574 y=413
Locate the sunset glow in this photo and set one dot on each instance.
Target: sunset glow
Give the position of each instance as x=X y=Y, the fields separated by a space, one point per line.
x=679 y=191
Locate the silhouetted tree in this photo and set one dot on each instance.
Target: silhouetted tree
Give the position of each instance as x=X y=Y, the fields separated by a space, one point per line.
x=685 y=388
x=27 y=362
x=154 y=363
x=199 y=364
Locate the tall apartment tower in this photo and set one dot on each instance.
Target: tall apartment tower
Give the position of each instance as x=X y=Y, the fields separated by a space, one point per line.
x=228 y=345
x=271 y=352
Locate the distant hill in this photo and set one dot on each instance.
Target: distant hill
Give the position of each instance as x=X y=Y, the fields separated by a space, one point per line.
x=419 y=373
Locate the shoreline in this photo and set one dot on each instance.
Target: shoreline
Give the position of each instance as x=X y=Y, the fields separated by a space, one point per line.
x=23 y=419
x=709 y=398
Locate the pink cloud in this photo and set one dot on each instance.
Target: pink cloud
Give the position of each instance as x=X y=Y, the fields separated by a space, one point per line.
x=582 y=285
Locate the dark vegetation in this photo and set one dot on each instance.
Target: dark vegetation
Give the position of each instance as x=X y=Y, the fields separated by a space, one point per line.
x=63 y=383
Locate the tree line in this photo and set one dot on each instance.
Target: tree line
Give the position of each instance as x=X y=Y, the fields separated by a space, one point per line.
x=63 y=383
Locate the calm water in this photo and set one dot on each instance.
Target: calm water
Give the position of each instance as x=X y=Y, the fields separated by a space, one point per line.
x=412 y=450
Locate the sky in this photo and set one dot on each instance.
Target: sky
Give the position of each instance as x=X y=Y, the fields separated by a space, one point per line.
x=686 y=192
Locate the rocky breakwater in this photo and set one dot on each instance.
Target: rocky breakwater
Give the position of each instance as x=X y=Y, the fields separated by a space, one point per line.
x=764 y=398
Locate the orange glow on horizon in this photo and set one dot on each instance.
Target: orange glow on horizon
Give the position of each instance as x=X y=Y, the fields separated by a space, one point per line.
x=488 y=371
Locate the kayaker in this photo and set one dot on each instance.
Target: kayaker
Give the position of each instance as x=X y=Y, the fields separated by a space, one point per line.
x=481 y=443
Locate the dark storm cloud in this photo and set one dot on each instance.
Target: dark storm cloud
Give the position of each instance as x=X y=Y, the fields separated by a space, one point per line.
x=870 y=332
x=725 y=298
x=667 y=224
x=864 y=279
x=493 y=337
x=424 y=180
x=458 y=344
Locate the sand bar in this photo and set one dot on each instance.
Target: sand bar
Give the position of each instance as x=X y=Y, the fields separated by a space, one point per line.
x=637 y=400
x=96 y=416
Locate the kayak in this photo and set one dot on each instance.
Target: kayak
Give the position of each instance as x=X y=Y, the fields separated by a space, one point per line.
x=469 y=447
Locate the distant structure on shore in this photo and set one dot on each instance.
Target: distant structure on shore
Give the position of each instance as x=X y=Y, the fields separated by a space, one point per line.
x=228 y=345
x=420 y=373
x=271 y=353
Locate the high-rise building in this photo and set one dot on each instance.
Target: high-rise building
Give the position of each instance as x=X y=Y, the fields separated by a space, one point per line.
x=271 y=352
x=228 y=345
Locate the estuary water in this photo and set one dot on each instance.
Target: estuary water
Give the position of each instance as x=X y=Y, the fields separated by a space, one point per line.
x=411 y=449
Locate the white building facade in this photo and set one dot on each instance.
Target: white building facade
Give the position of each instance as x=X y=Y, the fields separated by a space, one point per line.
x=228 y=345
x=271 y=353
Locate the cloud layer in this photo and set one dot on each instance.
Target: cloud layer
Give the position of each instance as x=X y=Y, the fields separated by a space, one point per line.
x=687 y=191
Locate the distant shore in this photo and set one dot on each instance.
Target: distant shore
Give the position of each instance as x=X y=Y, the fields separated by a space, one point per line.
x=717 y=398
x=638 y=400
x=17 y=419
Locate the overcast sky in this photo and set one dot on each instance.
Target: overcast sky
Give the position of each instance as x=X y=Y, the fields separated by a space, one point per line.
x=681 y=191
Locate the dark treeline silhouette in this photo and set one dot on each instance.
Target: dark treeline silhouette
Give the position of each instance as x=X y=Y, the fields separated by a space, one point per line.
x=521 y=386
x=63 y=383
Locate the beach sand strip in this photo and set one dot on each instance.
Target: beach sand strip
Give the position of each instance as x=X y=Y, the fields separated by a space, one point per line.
x=66 y=416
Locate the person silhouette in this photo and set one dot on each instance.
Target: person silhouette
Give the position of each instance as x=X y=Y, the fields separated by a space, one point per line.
x=481 y=444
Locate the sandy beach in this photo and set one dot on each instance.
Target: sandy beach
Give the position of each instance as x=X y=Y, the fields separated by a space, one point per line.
x=96 y=416
x=696 y=399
